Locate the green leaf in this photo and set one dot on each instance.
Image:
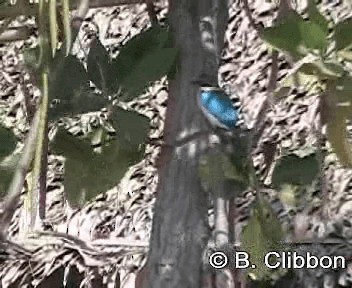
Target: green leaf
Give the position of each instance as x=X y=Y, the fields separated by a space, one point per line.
x=70 y=146
x=88 y=173
x=144 y=59
x=343 y=36
x=131 y=126
x=7 y=142
x=83 y=101
x=295 y=170
x=285 y=36
x=262 y=234
x=328 y=69
x=313 y=35
x=135 y=49
x=8 y=166
x=100 y=71
x=233 y=188
x=8 y=160
x=66 y=75
x=151 y=68
x=316 y=17
x=296 y=36
x=239 y=160
x=216 y=172
x=337 y=135
x=298 y=78
x=69 y=86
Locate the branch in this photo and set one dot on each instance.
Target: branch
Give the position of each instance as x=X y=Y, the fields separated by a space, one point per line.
x=180 y=231
x=15 y=34
x=14 y=191
x=32 y=9
x=82 y=7
x=259 y=125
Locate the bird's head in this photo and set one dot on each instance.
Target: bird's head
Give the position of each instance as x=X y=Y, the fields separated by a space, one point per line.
x=207 y=87
x=204 y=80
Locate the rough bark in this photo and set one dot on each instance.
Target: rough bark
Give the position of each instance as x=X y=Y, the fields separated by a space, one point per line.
x=180 y=229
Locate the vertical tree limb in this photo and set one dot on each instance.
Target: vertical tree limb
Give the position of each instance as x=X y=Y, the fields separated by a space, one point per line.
x=33 y=197
x=180 y=228
x=16 y=186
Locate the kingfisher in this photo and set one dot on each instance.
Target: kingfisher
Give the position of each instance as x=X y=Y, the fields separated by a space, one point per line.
x=217 y=107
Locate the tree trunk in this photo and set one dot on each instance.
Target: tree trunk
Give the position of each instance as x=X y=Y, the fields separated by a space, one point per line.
x=180 y=224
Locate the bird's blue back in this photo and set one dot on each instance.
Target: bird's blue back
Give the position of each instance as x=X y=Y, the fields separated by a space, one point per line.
x=219 y=105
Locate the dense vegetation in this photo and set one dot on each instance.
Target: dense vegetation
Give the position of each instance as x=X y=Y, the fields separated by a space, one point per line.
x=318 y=51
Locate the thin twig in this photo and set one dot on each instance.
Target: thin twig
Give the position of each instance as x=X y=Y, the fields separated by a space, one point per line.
x=259 y=125
x=272 y=83
x=43 y=174
x=247 y=10
x=30 y=108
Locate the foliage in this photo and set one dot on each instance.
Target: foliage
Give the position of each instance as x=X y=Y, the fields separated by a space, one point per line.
x=110 y=76
x=228 y=167
x=131 y=126
x=8 y=142
x=96 y=162
x=88 y=173
x=99 y=67
x=295 y=173
x=217 y=168
x=262 y=234
x=297 y=36
x=295 y=169
x=69 y=89
x=142 y=60
x=8 y=160
x=321 y=63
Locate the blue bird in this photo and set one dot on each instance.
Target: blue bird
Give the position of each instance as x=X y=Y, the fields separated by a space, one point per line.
x=218 y=108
